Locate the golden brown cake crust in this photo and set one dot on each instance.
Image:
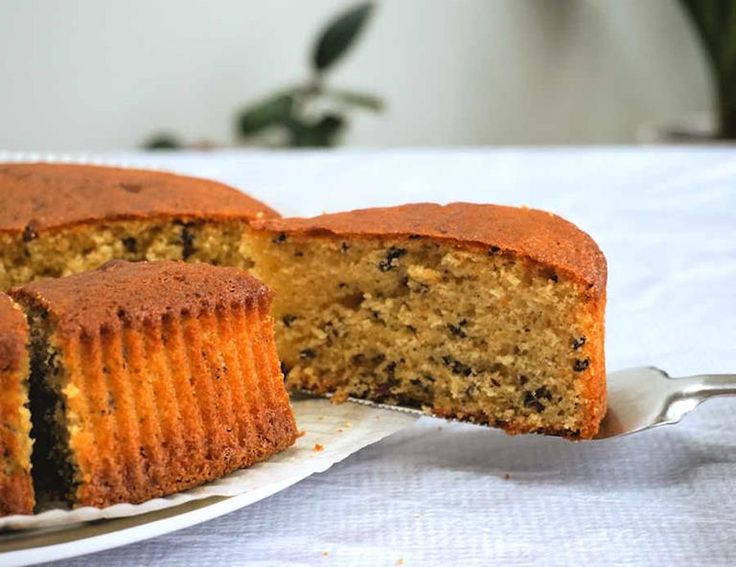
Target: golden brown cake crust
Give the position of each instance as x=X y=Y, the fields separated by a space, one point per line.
x=133 y=293
x=13 y=332
x=16 y=488
x=40 y=196
x=16 y=495
x=531 y=233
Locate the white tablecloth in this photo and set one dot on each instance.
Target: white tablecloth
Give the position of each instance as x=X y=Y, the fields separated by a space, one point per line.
x=440 y=494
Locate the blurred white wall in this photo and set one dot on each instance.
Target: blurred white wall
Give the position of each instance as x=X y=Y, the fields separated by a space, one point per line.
x=91 y=74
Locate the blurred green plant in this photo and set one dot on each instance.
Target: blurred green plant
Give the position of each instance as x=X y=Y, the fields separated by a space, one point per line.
x=715 y=23
x=310 y=114
x=313 y=114
x=162 y=141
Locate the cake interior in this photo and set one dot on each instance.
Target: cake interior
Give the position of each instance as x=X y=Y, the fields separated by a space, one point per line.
x=475 y=334
x=15 y=423
x=53 y=464
x=56 y=253
x=18 y=461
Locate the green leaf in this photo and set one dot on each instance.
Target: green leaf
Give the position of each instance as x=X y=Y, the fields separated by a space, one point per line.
x=321 y=134
x=706 y=16
x=275 y=110
x=728 y=47
x=339 y=35
x=715 y=23
x=367 y=101
x=162 y=142
x=331 y=125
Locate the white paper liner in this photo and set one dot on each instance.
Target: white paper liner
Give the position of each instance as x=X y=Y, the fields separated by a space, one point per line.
x=331 y=433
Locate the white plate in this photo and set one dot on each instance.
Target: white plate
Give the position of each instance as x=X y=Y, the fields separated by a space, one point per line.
x=331 y=433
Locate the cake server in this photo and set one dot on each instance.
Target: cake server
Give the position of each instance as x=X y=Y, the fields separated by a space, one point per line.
x=647 y=397
x=640 y=399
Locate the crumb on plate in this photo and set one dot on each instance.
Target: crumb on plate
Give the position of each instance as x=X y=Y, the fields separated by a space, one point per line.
x=339 y=397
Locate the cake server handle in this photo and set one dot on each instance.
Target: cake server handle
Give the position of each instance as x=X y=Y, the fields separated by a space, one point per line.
x=708 y=386
x=689 y=392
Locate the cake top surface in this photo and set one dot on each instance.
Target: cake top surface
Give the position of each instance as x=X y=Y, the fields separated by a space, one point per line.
x=38 y=196
x=536 y=234
x=13 y=331
x=135 y=293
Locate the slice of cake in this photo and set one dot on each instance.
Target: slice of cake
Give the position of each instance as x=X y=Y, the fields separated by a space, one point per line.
x=58 y=219
x=16 y=487
x=477 y=312
x=150 y=378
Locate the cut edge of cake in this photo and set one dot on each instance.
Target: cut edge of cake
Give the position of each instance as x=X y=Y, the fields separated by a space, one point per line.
x=559 y=253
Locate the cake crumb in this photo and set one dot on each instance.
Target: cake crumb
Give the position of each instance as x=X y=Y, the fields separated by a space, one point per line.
x=325 y=553
x=339 y=397
x=301 y=433
x=400 y=561
x=507 y=476
x=318 y=447
x=348 y=424
x=339 y=429
x=71 y=391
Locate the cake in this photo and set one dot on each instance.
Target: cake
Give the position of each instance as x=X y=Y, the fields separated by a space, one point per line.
x=58 y=219
x=16 y=487
x=151 y=378
x=482 y=313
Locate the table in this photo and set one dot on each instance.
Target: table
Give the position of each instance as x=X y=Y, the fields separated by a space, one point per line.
x=444 y=494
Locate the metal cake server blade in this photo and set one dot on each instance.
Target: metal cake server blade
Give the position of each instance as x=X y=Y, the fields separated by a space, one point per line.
x=647 y=397
x=638 y=399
